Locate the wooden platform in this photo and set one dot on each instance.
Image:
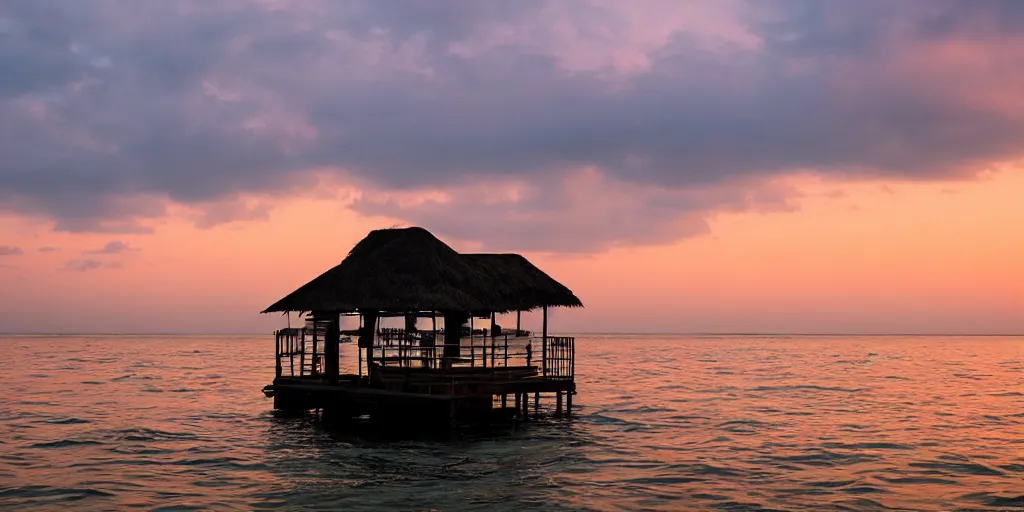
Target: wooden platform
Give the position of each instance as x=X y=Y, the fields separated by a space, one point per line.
x=414 y=378
x=422 y=394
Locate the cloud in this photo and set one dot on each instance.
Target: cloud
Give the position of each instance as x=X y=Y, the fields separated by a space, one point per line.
x=7 y=250
x=83 y=265
x=226 y=211
x=48 y=249
x=112 y=247
x=108 y=115
x=584 y=212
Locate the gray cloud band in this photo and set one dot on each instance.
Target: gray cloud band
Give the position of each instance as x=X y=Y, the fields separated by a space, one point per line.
x=108 y=108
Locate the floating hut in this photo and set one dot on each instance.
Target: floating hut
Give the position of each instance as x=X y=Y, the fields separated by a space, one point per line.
x=420 y=371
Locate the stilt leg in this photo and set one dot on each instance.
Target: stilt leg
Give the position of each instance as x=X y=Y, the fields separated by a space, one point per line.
x=536 y=403
x=568 y=403
x=504 y=400
x=558 y=403
x=519 y=408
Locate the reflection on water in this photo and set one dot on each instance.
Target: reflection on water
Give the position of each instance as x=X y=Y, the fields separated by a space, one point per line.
x=663 y=423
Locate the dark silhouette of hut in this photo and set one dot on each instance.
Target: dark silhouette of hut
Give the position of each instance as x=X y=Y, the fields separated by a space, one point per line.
x=521 y=285
x=409 y=273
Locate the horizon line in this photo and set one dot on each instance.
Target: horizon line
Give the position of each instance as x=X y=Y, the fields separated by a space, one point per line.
x=587 y=333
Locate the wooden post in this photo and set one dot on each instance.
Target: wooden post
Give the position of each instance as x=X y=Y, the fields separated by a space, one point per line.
x=568 y=402
x=453 y=333
x=536 y=402
x=302 y=355
x=277 y=353
x=303 y=331
x=518 y=324
x=494 y=324
x=472 y=351
x=572 y=361
x=291 y=354
x=504 y=401
x=558 y=403
x=366 y=335
x=332 y=333
x=315 y=360
x=433 y=336
x=519 y=406
x=544 y=344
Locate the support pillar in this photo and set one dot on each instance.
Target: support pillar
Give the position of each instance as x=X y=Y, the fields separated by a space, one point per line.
x=558 y=403
x=331 y=351
x=366 y=335
x=433 y=337
x=453 y=333
x=277 y=353
x=314 y=370
x=544 y=344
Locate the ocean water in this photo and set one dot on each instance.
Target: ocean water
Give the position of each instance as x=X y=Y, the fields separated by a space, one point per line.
x=735 y=423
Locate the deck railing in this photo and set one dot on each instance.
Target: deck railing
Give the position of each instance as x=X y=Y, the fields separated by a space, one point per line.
x=560 y=357
x=299 y=352
x=395 y=347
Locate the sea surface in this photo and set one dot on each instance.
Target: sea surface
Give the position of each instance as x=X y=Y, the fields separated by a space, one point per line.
x=734 y=423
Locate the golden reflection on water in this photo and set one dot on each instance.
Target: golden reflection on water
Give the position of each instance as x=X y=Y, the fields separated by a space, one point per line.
x=662 y=423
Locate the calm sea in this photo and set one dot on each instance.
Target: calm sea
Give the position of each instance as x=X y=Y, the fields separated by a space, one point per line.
x=736 y=423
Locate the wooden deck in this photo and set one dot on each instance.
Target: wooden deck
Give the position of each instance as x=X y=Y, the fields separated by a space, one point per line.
x=413 y=377
x=423 y=395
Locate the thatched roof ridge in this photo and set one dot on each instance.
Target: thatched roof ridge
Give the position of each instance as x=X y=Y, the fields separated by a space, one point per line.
x=391 y=269
x=407 y=269
x=519 y=283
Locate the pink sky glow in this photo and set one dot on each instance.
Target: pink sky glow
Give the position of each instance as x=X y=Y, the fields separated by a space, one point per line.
x=716 y=166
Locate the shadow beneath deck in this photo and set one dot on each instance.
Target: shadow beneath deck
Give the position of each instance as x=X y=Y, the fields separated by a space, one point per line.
x=501 y=424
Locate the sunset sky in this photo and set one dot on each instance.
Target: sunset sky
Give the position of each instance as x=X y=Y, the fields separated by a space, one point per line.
x=684 y=166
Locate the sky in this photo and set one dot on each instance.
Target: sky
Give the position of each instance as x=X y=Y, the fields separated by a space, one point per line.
x=800 y=166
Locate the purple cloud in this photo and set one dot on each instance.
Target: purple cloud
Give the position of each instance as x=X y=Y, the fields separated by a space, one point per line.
x=48 y=249
x=226 y=211
x=107 y=114
x=583 y=213
x=7 y=250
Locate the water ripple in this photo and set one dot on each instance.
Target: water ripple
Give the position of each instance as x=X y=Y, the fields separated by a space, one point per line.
x=731 y=423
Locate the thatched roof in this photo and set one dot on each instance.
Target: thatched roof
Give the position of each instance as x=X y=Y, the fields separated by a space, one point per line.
x=519 y=283
x=409 y=269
